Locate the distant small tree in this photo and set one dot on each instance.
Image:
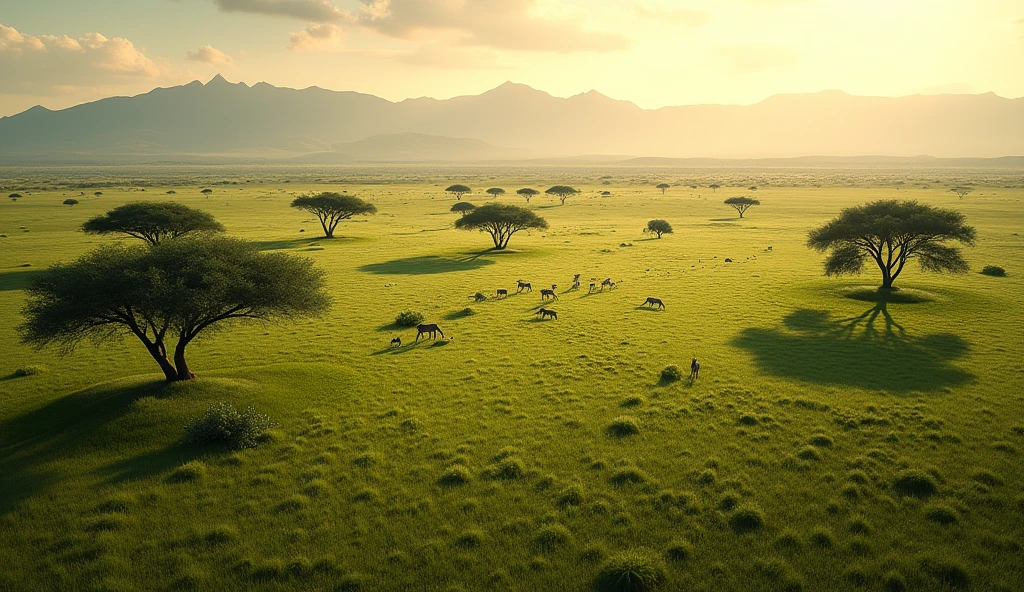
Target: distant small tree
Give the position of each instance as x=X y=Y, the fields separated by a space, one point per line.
x=501 y=221
x=714 y=187
x=562 y=192
x=152 y=221
x=458 y=191
x=71 y=202
x=659 y=227
x=331 y=208
x=496 y=191
x=14 y=196
x=207 y=192
x=961 y=191
x=890 y=233
x=663 y=187
x=463 y=207
x=742 y=204
x=172 y=192
x=167 y=293
x=527 y=193
x=97 y=194
x=752 y=188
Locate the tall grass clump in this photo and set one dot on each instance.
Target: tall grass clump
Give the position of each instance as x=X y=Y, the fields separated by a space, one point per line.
x=671 y=373
x=223 y=424
x=622 y=427
x=993 y=270
x=633 y=570
x=915 y=483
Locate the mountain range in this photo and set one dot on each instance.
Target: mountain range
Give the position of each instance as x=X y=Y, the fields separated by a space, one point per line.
x=224 y=122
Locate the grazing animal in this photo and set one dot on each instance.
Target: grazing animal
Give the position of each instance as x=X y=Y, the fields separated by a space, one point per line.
x=545 y=294
x=523 y=286
x=479 y=297
x=593 y=287
x=396 y=342
x=431 y=329
x=607 y=282
x=502 y=293
x=575 y=282
x=545 y=313
x=654 y=302
x=728 y=260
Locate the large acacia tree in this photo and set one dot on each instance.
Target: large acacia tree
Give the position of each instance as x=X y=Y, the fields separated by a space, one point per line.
x=331 y=208
x=527 y=193
x=890 y=233
x=152 y=221
x=562 y=192
x=501 y=221
x=167 y=295
x=742 y=204
x=495 y=191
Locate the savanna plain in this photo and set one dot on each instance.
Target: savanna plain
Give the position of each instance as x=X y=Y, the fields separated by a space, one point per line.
x=834 y=440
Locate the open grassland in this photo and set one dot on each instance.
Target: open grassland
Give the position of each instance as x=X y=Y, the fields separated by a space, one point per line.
x=832 y=442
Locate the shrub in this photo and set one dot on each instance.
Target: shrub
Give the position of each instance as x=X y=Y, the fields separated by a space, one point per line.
x=409 y=318
x=27 y=371
x=223 y=424
x=671 y=373
x=993 y=270
x=622 y=427
x=915 y=483
x=633 y=570
x=746 y=519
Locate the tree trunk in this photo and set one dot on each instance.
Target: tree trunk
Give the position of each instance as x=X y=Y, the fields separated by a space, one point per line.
x=157 y=351
x=179 y=362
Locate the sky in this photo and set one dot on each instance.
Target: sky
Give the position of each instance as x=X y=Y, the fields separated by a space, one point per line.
x=655 y=53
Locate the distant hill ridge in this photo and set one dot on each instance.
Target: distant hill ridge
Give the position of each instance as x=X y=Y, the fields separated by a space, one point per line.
x=510 y=122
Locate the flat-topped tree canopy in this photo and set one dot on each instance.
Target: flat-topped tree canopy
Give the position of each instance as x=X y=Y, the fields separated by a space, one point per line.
x=458 y=190
x=742 y=204
x=527 y=192
x=501 y=221
x=961 y=191
x=496 y=191
x=890 y=233
x=663 y=187
x=562 y=192
x=331 y=208
x=463 y=207
x=153 y=221
x=659 y=227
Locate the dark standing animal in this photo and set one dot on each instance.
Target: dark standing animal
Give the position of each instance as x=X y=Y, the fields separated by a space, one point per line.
x=545 y=313
x=502 y=293
x=545 y=294
x=607 y=282
x=694 y=369
x=523 y=286
x=479 y=297
x=575 y=282
x=431 y=329
x=593 y=287
x=396 y=342
x=654 y=302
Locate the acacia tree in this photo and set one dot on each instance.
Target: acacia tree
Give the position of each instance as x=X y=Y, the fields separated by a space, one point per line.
x=207 y=192
x=659 y=227
x=528 y=193
x=663 y=187
x=742 y=204
x=168 y=292
x=961 y=191
x=496 y=191
x=463 y=207
x=458 y=191
x=71 y=202
x=890 y=233
x=152 y=221
x=714 y=187
x=501 y=221
x=331 y=208
x=562 y=192
x=97 y=194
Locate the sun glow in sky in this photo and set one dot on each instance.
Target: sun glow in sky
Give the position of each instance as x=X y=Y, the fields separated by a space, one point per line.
x=653 y=52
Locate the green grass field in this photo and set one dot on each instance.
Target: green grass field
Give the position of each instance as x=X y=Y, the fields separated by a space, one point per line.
x=800 y=460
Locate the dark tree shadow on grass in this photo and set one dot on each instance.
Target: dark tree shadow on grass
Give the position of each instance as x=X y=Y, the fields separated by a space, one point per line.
x=69 y=427
x=17 y=280
x=870 y=350
x=427 y=265
x=277 y=245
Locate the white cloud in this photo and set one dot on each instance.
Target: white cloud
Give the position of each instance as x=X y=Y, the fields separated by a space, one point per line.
x=317 y=11
x=210 y=55
x=322 y=36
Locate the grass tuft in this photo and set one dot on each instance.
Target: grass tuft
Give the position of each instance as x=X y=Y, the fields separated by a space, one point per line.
x=454 y=476
x=671 y=373
x=747 y=519
x=622 y=427
x=190 y=471
x=915 y=483
x=941 y=514
x=633 y=570
x=679 y=550
x=551 y=537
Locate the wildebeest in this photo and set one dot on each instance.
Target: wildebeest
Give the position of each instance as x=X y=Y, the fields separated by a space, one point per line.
x=521 y=286
x=545 y=294
x=396 y=342
x=479 y=297
x=502 y=293
x=607 y=282
x=575 y=282
x=654 y=302
x=593 y=287
x=545 y=313
x=431 y=328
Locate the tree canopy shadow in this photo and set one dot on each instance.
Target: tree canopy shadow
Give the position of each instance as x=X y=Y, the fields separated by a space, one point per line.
x=870 y=350
x=426 y=265
x=68 y=426
x=293 y=243
x=17 y=280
